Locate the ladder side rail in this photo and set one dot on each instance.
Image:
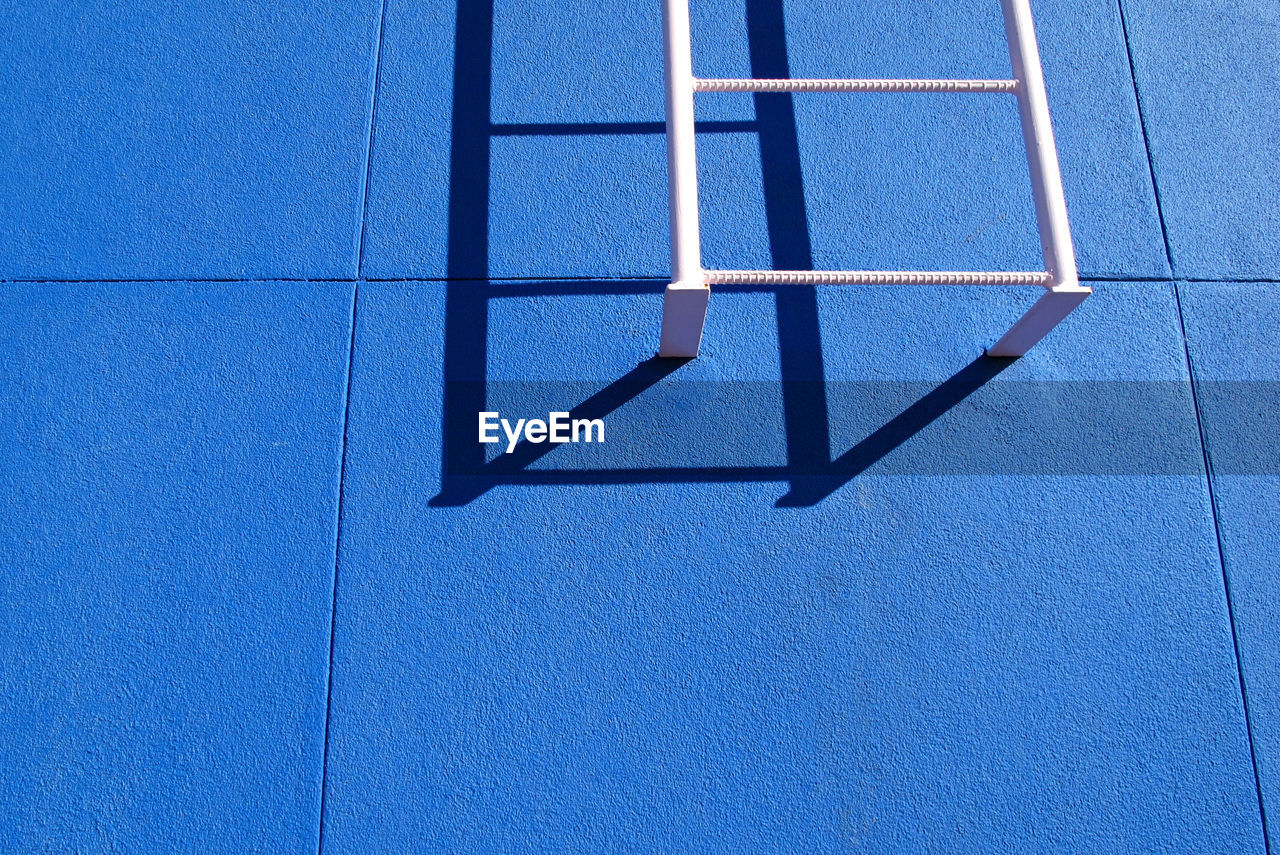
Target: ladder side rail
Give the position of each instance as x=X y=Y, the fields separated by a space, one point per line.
x=1037 y=133
x=684 y=307
x=682 y=172
x=1064 y=292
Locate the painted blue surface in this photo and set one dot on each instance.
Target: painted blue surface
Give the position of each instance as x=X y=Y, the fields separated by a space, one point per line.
x=555 y=148
x=1206 y=78
x=215 y=139
x=1234 y=337
x=954 y=663
x=170 y=483
x=840 y=583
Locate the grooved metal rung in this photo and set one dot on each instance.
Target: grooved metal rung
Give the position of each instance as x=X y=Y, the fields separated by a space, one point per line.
x=684 y=307
x=874 y=277
x=823 y=85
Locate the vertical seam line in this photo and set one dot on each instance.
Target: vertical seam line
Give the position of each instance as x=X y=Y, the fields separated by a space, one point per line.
x=337 y=557
x=1204 y=445
x=1226 y=579
x=346 y=417
x=1146 y=141
x=368 y=156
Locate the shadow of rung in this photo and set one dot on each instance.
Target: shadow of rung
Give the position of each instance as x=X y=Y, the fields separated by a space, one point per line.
x=572 y=129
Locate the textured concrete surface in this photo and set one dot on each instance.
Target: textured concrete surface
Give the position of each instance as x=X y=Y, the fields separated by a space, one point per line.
x=561 y=135
x=966 y=662
x=1206 y=79
x=170 y=502
x=1234 y=336
x=212 y=140
x=841 y=583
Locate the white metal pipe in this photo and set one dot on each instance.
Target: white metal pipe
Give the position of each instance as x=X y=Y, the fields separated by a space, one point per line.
x=875 y=277
x=1037 y=134
x=682 y=171
x=686 y=299
x=860 y=85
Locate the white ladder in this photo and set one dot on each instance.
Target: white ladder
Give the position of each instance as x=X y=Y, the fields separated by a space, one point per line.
x=684 y=309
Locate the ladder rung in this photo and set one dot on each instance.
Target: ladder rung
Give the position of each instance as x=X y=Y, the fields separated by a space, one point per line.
x=820 y=85
x=874 y=277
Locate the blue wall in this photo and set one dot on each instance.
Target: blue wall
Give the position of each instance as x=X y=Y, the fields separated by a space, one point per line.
x=840 y=583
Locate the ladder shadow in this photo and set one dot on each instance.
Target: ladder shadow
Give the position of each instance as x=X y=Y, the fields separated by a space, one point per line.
x=812 y=473
x=812 y=480
x=809 y=489
x=462 y=485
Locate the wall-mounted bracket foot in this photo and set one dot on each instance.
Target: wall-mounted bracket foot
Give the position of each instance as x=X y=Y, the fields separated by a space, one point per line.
x=1054 y=305
x=684 y=311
